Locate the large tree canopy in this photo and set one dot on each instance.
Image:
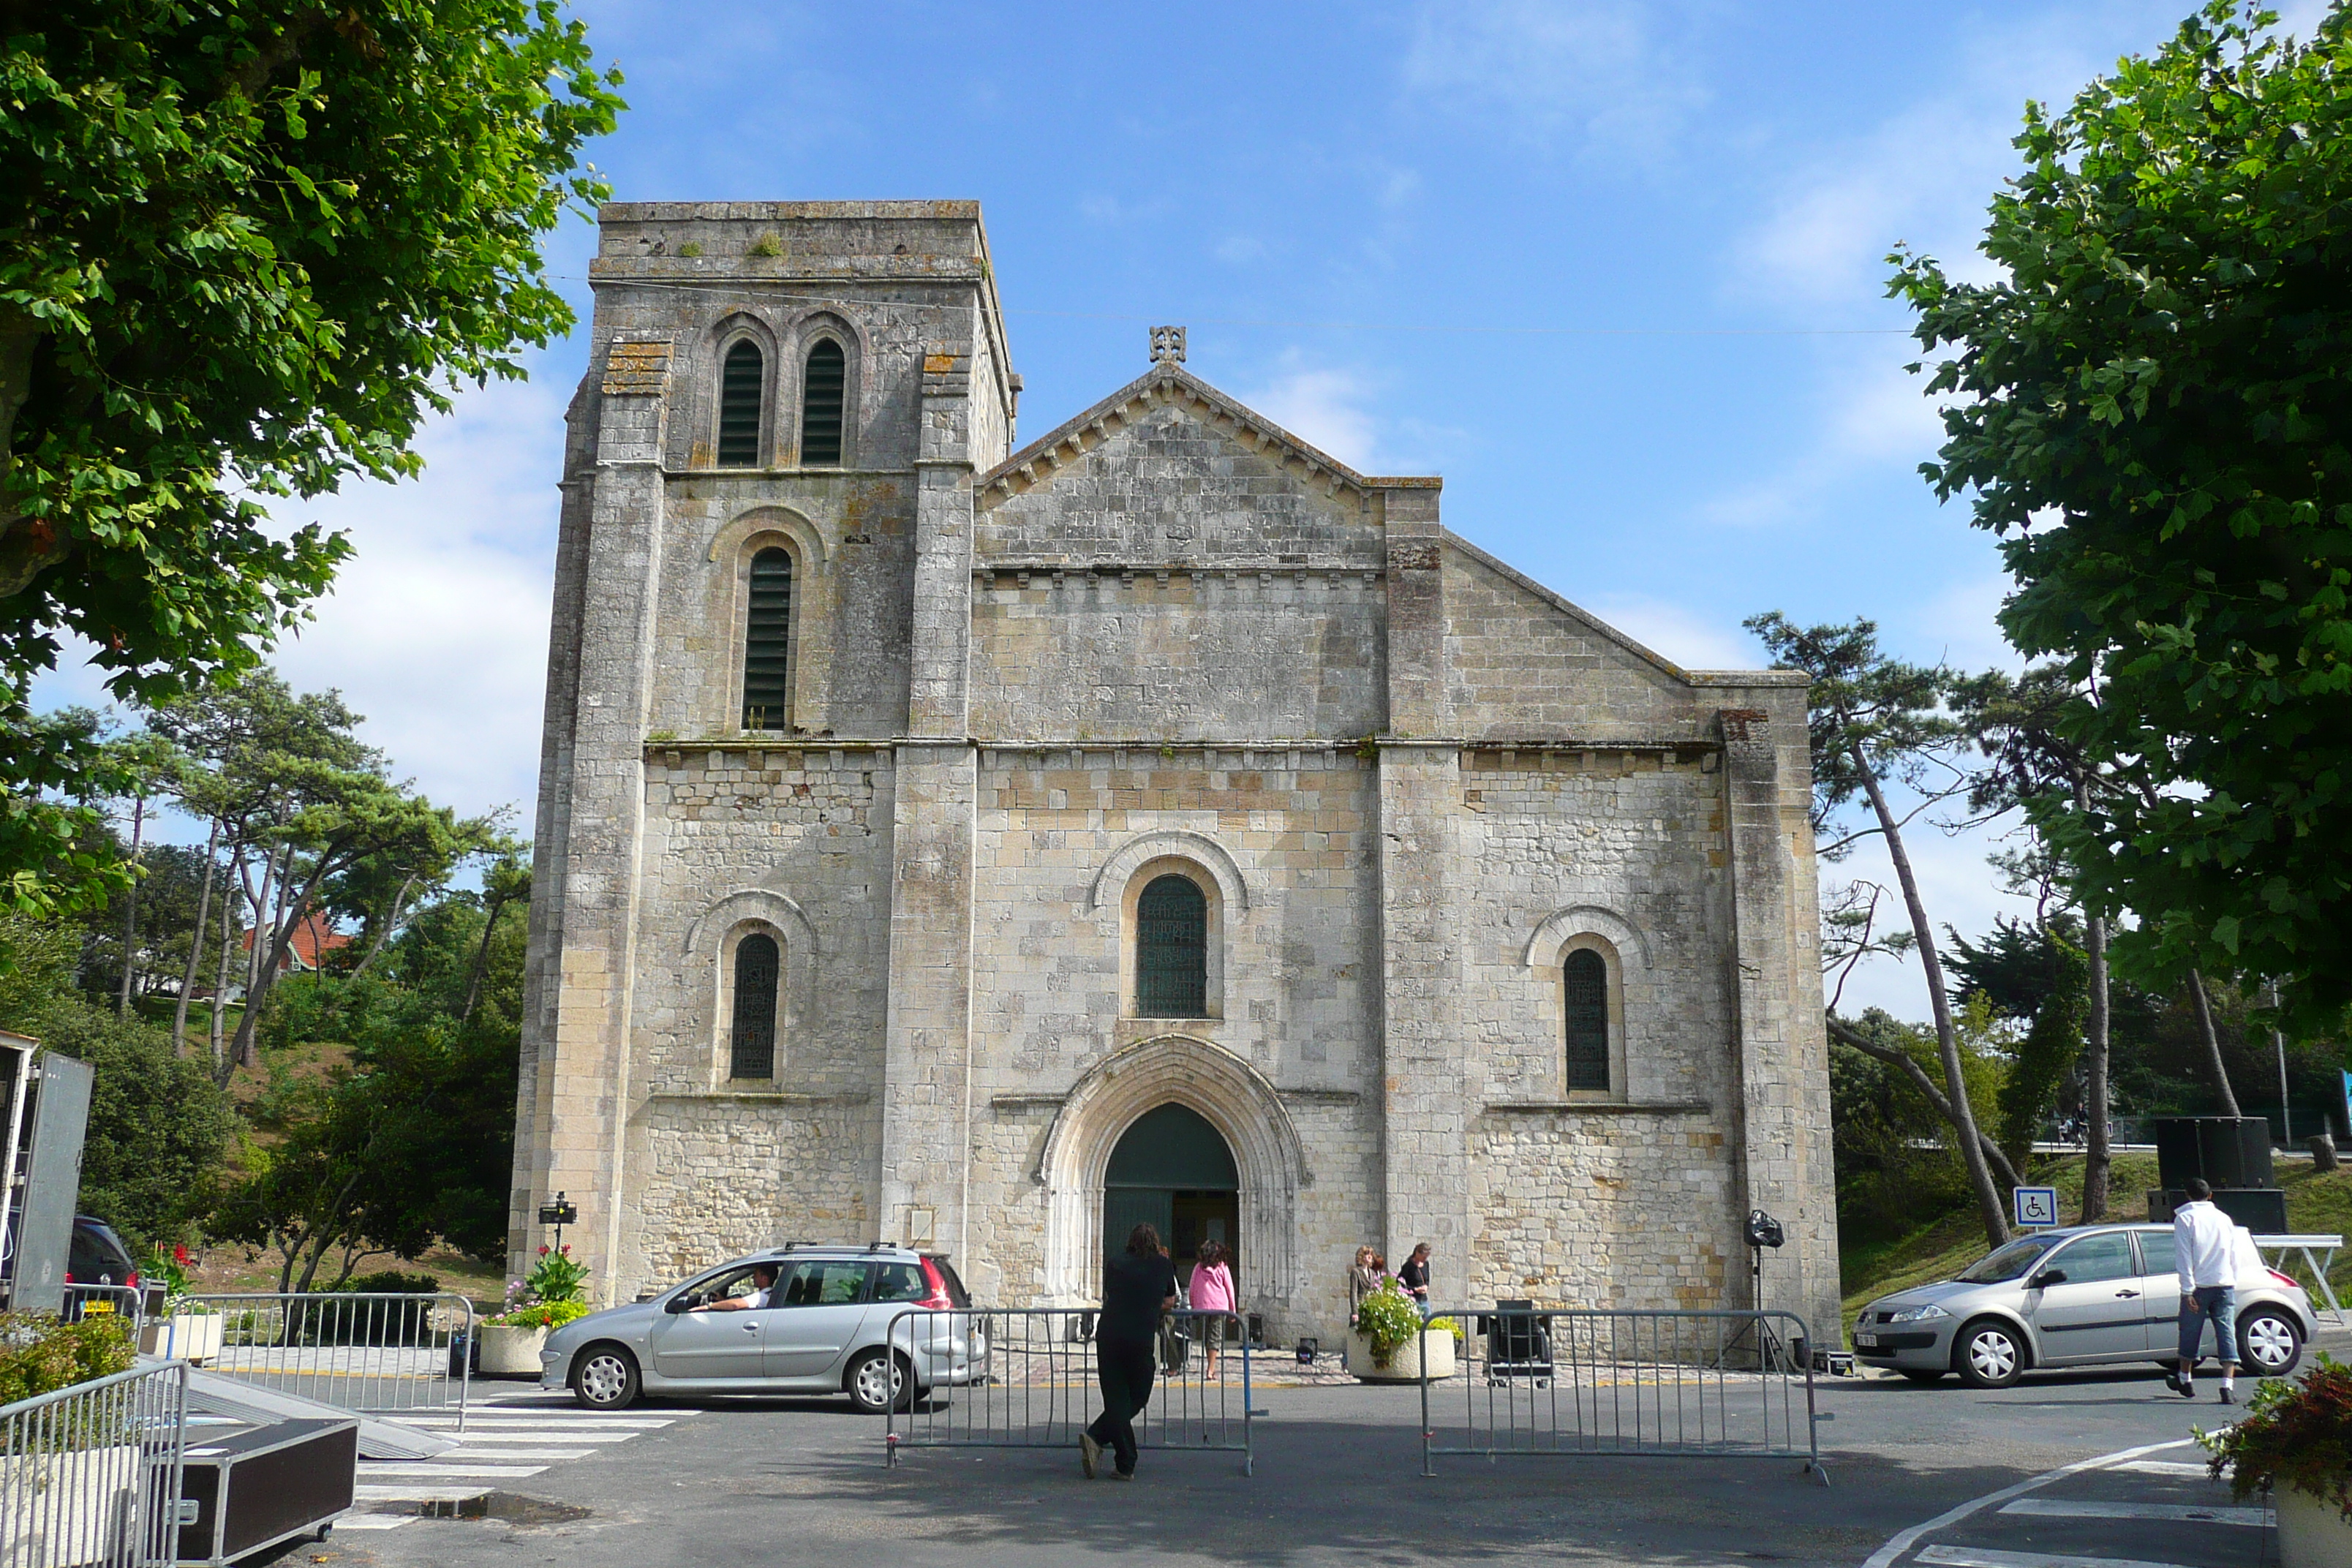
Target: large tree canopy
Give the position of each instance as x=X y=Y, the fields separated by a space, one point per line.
x=245 y=246
x=2153 y=409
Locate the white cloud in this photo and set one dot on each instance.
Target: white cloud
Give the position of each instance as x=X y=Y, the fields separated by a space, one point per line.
x=1876 y=416
x=1323 y=406
x=1559 y=71
x=1679 y=634
x=436 y=629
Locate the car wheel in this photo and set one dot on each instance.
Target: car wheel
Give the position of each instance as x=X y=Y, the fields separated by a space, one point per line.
x=878 y=1378
x=1990 y=1354
x=1921 y=1375
x=2269 y=1342
x=606 y=1378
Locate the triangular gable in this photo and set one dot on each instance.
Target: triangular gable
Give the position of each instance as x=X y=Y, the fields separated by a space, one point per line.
x=1036 y=463
x=1574 y=612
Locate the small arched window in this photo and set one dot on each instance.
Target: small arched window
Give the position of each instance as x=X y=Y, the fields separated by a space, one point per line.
x=821 y=390
x=752 y=1041
x=1172 y=950
x=1585 y=991
x=741 y=383
x=768 y=641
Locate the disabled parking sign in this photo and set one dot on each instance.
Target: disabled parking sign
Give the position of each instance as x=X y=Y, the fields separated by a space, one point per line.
x=2035 y=1206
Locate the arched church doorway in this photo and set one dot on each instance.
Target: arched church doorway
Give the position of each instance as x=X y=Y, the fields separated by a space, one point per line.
x=1173 y=1168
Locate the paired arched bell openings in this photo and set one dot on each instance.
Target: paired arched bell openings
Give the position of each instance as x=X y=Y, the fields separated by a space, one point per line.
x=1581 y=957
x=822 y=357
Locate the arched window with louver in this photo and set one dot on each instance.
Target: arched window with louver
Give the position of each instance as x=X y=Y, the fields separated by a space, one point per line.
x=821 y=390
x=1585 y=976
x=1172 y=950
x=768 y=642
x=752 y=1041
x=742 y=383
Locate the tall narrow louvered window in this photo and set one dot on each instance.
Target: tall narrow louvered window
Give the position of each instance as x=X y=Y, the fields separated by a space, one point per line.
x=1172 y=950
x=741 y=384
x=1586 y=975
x=768 y=642
x=752 y=1052
x=821 y=396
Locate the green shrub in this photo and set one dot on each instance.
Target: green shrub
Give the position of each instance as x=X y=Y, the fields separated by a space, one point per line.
x=1388 y=1318
x=392 y=1282
x=2295 y=1435
x=543 y=1315
x=40 y=1355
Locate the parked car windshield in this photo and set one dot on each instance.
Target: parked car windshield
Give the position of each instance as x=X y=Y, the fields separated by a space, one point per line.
x=2010 y=1261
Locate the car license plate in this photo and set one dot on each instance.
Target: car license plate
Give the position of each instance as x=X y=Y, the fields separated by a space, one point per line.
x=1866 y=1342
x=95 y=1308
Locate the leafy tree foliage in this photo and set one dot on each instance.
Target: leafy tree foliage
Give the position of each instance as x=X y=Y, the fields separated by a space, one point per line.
x=245 y=246
x=2152 y=407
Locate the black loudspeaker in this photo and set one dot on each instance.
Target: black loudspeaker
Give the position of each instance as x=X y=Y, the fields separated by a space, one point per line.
x=2228 y=1151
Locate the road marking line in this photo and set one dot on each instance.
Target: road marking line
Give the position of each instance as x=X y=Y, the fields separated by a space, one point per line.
x=2053 y=1508
x=2166 y=1467
x=428 y=1469
x=1979 y=1557
x=1905 y=1539
x=417 y=1494
x=471 y=1455
x=374 y=1521
x=480 y=1433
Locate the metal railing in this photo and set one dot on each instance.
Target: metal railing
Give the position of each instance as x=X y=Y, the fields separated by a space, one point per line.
x=81 y=1301
x=372 y=1351
x=1538 y=1380
x=1024 y=1378
x=90 y=1474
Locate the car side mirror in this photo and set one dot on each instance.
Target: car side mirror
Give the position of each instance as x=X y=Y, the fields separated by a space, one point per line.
x=2049 y=1277
x=677 y=1304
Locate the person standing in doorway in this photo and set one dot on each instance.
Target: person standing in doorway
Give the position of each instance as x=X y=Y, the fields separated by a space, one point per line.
x=1212 y=1292
x=1414 y=1277
x=1139 y=1285
x=1364 y=1277
x=2204 y=1248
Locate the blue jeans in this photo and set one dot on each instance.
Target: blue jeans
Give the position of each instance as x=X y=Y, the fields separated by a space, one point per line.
x=2219 y=1303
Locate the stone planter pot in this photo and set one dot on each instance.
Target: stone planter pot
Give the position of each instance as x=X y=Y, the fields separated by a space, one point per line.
x=2311 y=1533
x=184 y=1336
x=79 y=1507
x=508 y=1350
x=1404 y=1366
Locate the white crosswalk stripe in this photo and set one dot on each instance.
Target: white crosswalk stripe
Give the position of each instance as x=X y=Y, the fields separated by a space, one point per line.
x=2173 y=1512
x=2165 y=1468
x=496 y=1442
x=1980 y=1557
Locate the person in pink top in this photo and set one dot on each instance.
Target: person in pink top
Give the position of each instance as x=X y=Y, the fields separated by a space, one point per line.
x=1212 y=1290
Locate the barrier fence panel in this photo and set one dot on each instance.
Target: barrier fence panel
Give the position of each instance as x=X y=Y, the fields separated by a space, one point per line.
x=100 y=1300
x=90 y=1474
x=1024 y=1378
x=1533 y=1380
x=372 y=1352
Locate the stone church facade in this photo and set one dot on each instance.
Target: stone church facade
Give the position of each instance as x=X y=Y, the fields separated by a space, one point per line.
x=917 y=813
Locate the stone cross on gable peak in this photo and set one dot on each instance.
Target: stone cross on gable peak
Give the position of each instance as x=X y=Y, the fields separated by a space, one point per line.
x=1167 y=345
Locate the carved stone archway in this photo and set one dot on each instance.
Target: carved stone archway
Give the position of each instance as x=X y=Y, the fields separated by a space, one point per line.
x=1235 y=1099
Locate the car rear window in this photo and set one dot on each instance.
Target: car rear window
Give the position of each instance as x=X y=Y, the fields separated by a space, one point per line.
x=2010 y=1261
x=900 y=1282
x=956 y=1292
x=820 y=1282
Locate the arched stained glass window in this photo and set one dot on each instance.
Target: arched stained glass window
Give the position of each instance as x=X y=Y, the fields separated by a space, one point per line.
x=768 y=642
x=752 y=1042
x=1586 y=990
x=741 y=385
x=821 y=390
x=1172 y=950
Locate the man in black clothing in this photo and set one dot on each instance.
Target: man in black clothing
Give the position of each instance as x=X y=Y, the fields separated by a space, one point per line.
x=1138 y=1286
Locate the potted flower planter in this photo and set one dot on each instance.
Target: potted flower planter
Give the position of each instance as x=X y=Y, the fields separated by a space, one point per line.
x=510 y=1349
x=182 y=1336
x=1405 y=1365
x=2312 y=1532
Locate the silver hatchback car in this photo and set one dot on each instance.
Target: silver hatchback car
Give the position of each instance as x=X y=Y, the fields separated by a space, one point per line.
x=830 y=1311
x=2088 y=1296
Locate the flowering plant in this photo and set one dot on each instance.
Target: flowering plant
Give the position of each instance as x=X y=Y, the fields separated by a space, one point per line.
x=551 y=1297
x=556 y=1278
x=2293 y=1434
x=178 y=1291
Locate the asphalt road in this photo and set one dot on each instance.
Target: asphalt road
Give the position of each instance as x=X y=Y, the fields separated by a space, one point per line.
x=1338 y=1481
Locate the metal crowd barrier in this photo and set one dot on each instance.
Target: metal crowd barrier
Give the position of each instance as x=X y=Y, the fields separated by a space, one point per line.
x=90 y=1474
x=81 y=1301
x=372 y=1352
x=1539 y=1381
x=1024 y=1378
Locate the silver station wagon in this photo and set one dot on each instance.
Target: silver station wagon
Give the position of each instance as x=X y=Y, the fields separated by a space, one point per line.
x=822 y=1332
x=2088 y=1296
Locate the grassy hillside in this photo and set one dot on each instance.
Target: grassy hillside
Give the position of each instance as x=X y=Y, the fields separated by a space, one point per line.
x=1941 y=1248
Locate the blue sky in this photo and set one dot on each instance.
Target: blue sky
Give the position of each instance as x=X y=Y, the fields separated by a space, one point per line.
x=1614 y=271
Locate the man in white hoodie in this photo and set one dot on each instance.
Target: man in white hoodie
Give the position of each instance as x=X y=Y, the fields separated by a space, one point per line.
x=2204 y=1247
